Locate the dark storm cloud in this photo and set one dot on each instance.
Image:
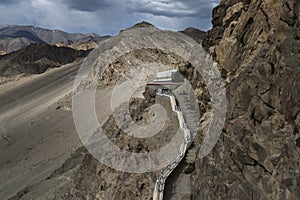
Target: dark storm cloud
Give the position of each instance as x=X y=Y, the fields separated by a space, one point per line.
x=107 y=16
x=87 y=5
x=7 y=2
x=173 y=8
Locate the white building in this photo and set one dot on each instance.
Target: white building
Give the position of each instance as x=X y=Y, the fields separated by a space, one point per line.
x=165 y=76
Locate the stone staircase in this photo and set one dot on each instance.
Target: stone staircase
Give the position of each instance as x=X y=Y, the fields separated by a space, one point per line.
x=188 y=107
x=187 y=112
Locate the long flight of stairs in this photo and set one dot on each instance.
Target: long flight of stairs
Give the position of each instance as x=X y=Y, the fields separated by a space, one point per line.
x=189 y=107
x=180 y=182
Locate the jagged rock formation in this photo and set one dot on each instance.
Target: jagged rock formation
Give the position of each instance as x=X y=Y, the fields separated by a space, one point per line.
x=87 y=43
x=36 y=59
x=13 y=38
x=257 y=46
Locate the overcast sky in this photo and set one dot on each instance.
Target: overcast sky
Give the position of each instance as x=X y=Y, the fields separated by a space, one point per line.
x=107 y=16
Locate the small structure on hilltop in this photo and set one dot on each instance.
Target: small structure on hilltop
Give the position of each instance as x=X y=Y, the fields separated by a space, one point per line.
x=168 y=79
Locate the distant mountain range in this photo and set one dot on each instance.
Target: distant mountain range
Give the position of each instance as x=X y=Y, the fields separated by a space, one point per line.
x=32 y=50
x=13 y=38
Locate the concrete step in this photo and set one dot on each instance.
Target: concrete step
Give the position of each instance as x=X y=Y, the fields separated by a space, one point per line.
x=191 y=155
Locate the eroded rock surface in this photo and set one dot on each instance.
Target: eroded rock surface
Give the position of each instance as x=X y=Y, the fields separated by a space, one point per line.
x=257 y=46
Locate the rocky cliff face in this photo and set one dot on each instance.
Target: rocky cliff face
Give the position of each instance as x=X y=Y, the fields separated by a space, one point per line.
x=257 y=46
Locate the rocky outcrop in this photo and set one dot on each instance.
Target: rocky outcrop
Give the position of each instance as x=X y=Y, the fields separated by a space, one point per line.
x=194 y=33
x=85 y=44
x=257 y=46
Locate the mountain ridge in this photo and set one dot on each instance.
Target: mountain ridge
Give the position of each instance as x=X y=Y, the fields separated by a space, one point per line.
x=36 y=59
x=15 y=37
